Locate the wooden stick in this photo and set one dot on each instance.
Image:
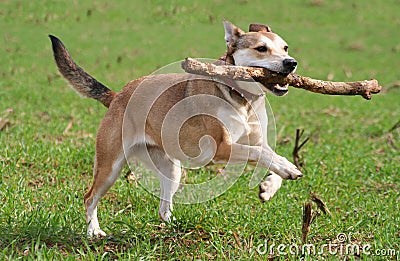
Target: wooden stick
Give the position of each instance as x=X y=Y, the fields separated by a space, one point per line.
x=297 y=147
x=321 y=204
x=4 y=123
x=364 y=88
x=307 y=219
x=397 y=125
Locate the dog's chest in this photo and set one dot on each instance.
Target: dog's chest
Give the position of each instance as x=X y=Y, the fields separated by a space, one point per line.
x=246 y=122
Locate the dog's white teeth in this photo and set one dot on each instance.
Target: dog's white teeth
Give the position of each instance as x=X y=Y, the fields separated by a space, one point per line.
x=281 y=87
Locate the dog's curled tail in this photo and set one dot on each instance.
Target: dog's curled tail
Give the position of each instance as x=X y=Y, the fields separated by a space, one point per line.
x=80 y=80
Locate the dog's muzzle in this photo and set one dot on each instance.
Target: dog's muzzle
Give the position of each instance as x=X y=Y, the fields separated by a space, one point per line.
x=289 y=65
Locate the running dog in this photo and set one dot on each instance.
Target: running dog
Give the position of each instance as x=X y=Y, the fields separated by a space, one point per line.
x=133 y=129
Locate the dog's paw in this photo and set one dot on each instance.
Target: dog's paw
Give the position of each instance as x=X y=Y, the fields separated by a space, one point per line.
x=293 y=172
x=285 y=169
x=269 y=187
x=166 y=216
x=96 y=232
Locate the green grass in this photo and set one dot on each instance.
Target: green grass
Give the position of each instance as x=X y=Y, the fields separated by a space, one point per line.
x=352 y=161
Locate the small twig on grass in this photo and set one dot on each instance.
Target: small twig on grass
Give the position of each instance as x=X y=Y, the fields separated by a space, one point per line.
x=297 y=147
x=390 y=140
x=397 y=125
x=236 y=237
x=309 y=215
x=321 y=204
x=307 y=219
x=265 y=77
x=69 y=126
x=131 y=177
x=248 y=246
x=4 y=123
x=391 y=86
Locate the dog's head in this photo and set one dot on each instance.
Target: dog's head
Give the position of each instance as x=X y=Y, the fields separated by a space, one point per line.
x=260 y=47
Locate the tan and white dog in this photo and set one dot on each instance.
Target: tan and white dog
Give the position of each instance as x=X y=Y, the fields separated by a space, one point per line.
x=128 y=131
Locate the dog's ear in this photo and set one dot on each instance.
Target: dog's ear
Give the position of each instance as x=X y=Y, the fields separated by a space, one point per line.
x=232 y=32
x=260 y=28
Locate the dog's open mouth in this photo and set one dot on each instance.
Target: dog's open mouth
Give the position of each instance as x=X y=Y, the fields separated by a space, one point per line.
x=277 y=89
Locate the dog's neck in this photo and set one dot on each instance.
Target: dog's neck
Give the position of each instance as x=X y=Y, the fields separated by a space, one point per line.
x=227 y=58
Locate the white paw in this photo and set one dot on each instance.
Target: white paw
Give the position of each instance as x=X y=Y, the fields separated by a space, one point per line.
x=95 y=232
x=166 y=216
x=269 y=187
x=285 y=169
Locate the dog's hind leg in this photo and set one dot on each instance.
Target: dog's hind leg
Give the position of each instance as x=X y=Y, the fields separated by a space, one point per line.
x=169 y=173
x=109 y=161
x=106 y=172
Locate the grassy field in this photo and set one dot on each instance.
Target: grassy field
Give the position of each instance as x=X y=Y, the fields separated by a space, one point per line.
x=352 y=160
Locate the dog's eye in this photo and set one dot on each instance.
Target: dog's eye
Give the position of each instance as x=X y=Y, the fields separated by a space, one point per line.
x=261 y=48
x=286 y=48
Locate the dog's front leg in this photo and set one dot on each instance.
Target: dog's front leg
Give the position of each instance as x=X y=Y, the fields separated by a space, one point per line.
x=269 y=186
x=263 y=157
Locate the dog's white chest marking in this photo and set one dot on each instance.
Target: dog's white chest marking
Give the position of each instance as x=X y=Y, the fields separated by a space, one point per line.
x=235 y=124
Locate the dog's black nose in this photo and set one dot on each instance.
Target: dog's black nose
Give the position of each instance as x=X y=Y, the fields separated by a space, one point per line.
x=290 y=64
